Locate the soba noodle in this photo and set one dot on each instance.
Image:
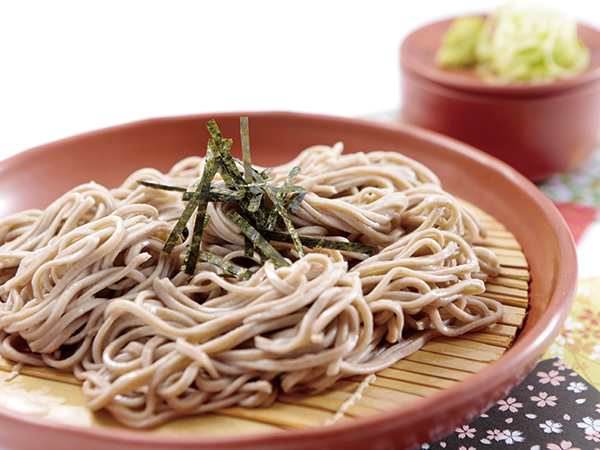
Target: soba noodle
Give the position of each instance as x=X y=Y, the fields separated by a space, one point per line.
x=86 y=288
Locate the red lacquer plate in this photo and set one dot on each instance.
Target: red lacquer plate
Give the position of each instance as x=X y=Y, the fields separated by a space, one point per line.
x=38 y=176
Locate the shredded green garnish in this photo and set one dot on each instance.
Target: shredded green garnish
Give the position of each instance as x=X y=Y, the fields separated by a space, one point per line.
x=193 y=250
x=459 y=45
x=246 y=150
x=249 y=189
x=228 y=266
x=520 y=41
x=164 y=187
x=259 y=241
x=354 y=247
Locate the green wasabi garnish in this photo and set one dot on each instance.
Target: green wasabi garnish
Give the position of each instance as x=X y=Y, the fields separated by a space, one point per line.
x=459 y=45
x=518 y=42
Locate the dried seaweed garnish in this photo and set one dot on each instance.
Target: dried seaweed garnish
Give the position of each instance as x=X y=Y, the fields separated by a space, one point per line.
x=295 y=198
x=228 y=266
x=260 y=243
x=248 y=247
x=354 y=247
x=218 y=193
x=228 y=170
x=255 y=200
x=289 y=181
x=245 y=135
x=262 y=205
x=277 y=199
x=162 y=187
x=265 y=174
x=182 y=222
x=193 y=250
x=198 y=201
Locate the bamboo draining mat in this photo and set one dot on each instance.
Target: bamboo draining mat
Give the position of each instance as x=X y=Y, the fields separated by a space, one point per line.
x=441 y=363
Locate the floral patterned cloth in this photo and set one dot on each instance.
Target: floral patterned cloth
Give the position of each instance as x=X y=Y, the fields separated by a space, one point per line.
x=553 y=408
x=578 y=343
x=577 y=195
x=581 y=186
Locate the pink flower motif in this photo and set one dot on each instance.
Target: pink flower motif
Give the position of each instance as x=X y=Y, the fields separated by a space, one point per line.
x=509 y=420
x=510 y=404
x=564 y=445
x=561 y=365
x=581 y=365
x=465 y=431
x=580 y=346
x=544 y=399
x=551 y=377
x=592 y=316
x=567 y=417
x=462 y=447
x=590 y=332
x=592 y=435
x=443 y=444
x=598 y=407
x=494 y=435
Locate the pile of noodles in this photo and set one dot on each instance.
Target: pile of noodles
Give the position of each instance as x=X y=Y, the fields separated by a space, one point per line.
x=85 y=287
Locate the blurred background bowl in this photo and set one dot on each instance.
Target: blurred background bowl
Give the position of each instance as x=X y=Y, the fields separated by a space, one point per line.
x=539 y=129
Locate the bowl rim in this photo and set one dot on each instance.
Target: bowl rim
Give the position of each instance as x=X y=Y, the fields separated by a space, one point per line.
x=522 y=356
x=463 y=78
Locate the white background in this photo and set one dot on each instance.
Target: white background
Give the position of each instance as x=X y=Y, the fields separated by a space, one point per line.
x=67 y=67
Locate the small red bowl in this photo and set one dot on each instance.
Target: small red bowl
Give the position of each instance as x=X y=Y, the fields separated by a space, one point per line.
x=539 y=129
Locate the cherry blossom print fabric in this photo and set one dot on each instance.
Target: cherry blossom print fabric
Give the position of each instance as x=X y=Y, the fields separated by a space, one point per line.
x=578 y=343
x=554 y=408
x=577 y=196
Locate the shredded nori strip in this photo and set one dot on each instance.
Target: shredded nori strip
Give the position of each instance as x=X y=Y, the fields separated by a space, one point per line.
x=294 y=201
x=260 y=243
x=218 y=193
x=251 y=190
x=278 y=205
x=248 y=247
x=245 y=135
x=355 y=247
x=198 y=201
x=289 y=181
x=182 y=222
x=254 y=199
x=189 y=263
x=265 y=174
x=228 y=266
x=162 y=187
x=223 y=146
